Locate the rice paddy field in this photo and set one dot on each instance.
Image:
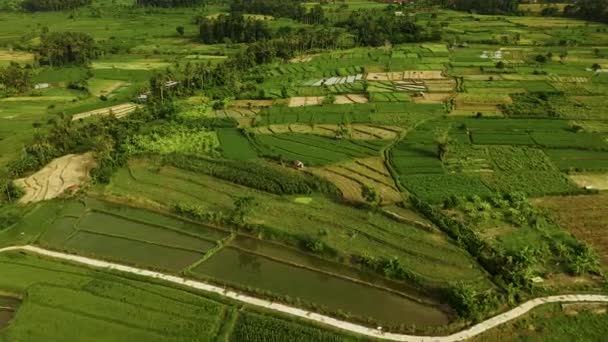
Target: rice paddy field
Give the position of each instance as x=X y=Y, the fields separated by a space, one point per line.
x=150 y=239
x=367 y=183
x=56 y=296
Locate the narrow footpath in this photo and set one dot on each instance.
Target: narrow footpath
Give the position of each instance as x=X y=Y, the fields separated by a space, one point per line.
x=351 y=327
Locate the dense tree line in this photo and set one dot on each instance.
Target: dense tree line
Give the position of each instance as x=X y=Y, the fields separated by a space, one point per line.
x=169 y=3
x=375 y=28
x=67 y=48
x=277 y=8
x=293 y=9
x=52 y=5
x=236 y=75
x=254 y=175
x=107 y=137
x=15 y=79
x=596 y=10
x=484 y=6
x=513 y=270
x=233 y=27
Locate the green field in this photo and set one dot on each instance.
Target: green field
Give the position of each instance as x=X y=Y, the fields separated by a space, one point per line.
x=385 y=164
x=106 y=305
x=148 y=239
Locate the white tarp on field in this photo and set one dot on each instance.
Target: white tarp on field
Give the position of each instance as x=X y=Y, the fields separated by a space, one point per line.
x=338 y=80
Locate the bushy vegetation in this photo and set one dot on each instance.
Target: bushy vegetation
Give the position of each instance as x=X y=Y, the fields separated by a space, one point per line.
x=375 y=28
x=531 y=106
x=532 y=183
x=588 y=9
x=233 y=28
x=253 y=327
x=485 y=6
x=15 y=79
x=8 y=217
x=282 y=8
x=255 y=175
x=173 y=138
x=67 y=48
x=52 y=5
x=512 y=267
x=169 y=3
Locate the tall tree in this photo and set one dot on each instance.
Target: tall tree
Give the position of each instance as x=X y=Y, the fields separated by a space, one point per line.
x=67 y=48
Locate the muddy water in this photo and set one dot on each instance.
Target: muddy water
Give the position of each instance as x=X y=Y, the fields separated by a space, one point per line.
x=247 y=269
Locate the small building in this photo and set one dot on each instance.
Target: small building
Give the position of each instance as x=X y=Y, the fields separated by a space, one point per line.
x=42 y=86
x=298 y=164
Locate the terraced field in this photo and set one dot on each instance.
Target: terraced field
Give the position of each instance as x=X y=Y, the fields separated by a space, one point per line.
x=67 y=173
x=417 y=180
x=351 y=176
x=118 y=111
x=347 y=229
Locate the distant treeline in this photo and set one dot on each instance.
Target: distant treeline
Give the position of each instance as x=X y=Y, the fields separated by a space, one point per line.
x=67 y=48
x=52 y=5
x=293 y=9
x=375 y=28
x=596 y=10
x=234 y=27
x=229 y=78
x=276 y=8
x=483 y=6
x=169 y=3
x=14 y=79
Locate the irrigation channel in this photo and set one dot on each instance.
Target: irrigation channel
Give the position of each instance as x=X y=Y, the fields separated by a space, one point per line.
x=351 y=327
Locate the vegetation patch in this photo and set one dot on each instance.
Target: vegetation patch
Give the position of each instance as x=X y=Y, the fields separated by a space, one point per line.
x=437 y=188
x=314 y=150
x=532 y=183
x=235 y=145
x=582 y=216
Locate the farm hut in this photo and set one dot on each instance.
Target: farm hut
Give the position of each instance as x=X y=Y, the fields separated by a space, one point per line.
x=42 y=86
x=298 y=164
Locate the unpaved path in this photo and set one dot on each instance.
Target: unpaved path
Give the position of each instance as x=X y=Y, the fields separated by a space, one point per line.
x=59 y=175
x=352 y=327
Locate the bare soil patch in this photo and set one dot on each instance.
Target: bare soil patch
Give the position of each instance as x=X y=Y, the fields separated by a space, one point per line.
x=119 y=111
x=593 y=181
x=302 y=59
x=61 y=174
x=440 y=86
x=351 y=98
x=302 y=101
x=16 y=56
x=432 y=97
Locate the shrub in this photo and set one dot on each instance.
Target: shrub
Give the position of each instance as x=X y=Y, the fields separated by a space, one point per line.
x=8 y=218
x=254 y=175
